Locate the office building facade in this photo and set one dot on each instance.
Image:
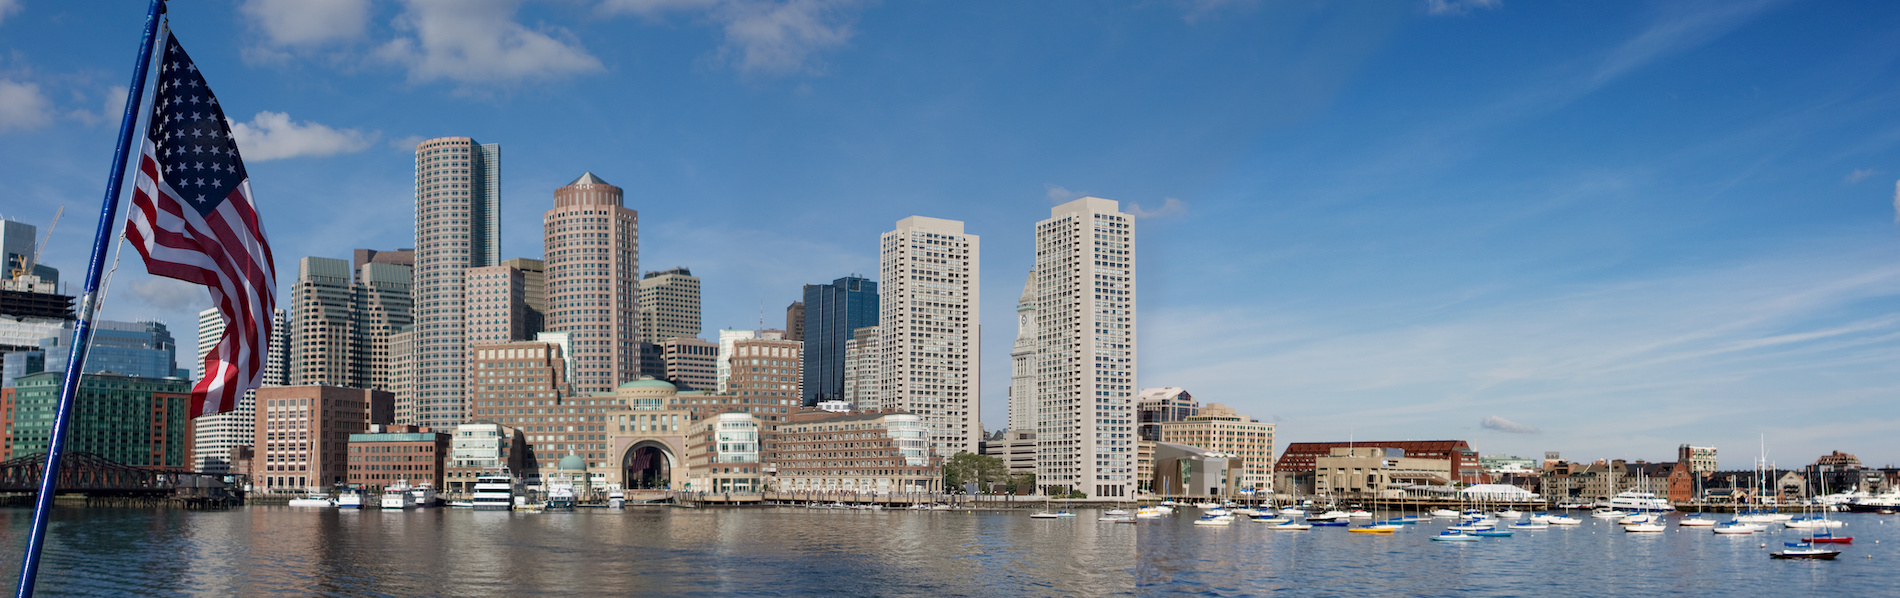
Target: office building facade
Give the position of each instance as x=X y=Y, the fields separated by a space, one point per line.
x=216 y=438
x=593 y=263
x=458 y=208
x=129 y=420
x=669 y=305
x=303 y=434
x=832 y=312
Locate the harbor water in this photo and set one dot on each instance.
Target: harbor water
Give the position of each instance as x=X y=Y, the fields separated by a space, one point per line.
x=284 y=551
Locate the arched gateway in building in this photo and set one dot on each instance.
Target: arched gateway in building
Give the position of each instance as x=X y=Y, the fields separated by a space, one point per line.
x=648 y=465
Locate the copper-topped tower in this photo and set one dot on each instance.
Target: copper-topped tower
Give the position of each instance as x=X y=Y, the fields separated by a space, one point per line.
x=593 y=281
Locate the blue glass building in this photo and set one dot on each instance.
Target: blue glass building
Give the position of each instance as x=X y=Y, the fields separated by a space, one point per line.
x=143 y=349
x=832 y=311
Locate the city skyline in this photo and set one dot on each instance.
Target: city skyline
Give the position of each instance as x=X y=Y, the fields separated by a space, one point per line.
x=1682 y=212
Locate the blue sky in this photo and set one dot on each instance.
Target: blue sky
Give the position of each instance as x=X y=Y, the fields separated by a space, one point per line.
x=1604 y=229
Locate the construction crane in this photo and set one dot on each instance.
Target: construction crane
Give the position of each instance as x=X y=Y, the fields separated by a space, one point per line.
x=26 y=264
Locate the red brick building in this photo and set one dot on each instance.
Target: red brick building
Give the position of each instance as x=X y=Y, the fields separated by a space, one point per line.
x=303 y=434
x=1299 y=456
x=388 y=454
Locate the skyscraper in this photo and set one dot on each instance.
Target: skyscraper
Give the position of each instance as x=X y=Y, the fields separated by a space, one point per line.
x=863 y=367
x=497 y=306
x=795 y=319
x=458 y=207
x=1022 y=361
x=669 y=305
x=341 y=329
x=1085 y=329
x=215 y=436
x=593 y=264
x=832 y=312
x=928 y=308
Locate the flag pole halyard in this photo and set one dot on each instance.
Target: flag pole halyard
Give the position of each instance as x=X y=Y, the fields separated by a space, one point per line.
x=82 y=328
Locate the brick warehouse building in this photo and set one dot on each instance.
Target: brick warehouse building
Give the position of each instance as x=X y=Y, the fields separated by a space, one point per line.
x=1295 y=466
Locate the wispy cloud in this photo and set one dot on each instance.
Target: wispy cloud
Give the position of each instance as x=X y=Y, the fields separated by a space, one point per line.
x=478 y=42
x=1504 y=425
x=1059 y=194
x=1896 y=202
x=1858 y=175
x=1169 y=207
x=273 y=136
x=170 y=294
x=7 y=8
x=302 y=23
x=1458 y=7
x=23 y=106
x=762 y=37
x=112 y=107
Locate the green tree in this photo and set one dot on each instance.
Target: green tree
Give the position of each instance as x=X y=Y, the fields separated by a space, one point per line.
x=965 y=467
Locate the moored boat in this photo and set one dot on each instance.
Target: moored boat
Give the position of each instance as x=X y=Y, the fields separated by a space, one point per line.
x=314 y=499
x=1454 y=536
x=1803 y=550
x=494 y=492
x=349 y=497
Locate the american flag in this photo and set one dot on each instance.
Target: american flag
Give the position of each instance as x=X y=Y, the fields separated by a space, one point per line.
x=193 y=219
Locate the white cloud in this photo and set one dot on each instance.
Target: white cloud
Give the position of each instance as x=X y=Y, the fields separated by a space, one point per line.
x=1504 y=425
x=272 y=135
x=111 y=108
x=1896 y=202
x=407 y=144
x=170 y=294
x=1458 y=7
x=763 y=37
x=1858 y=175
x=1169 y=207
x=1059 y=194
x=307 y=23
x=22 y=106
x=478 y=41
x=7 y=8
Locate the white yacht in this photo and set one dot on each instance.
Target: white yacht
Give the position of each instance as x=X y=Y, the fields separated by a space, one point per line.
x=616 y=499
x=350 y=497
x=560 y=497
x=1633 y=500
x=423 y=495
x=396 y=496
x=314 y=499
x=494 y=492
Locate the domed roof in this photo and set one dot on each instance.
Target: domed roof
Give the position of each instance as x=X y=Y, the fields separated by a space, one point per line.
x=573 y=462
x=648 y=382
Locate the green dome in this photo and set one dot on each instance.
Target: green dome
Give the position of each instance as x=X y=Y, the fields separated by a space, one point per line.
x=573 y=462
x=648 y=382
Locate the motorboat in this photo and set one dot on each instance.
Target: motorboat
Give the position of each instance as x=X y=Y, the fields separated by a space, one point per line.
x=560 y=497
x=314 y=499
x=494 y=492
x=1564 y=520
x=423 y=495
x=1696 y=520
x=1291 y=527
x=1633 y=500
x=1358 y=514
x=396 y=496
x=1454 y=536
x=1804 y=550
x=350 y=497
x=616 y=499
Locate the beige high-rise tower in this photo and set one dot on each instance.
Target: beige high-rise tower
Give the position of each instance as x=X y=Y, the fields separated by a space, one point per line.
x=458 y=207
x=928 y=308
x=669 y=305
x=1085 y=349
x=593 y=273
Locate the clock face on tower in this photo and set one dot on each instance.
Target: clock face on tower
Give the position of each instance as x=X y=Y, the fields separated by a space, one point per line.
x=1022 y=320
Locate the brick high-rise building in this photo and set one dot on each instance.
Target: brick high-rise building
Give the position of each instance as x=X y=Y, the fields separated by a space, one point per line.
x=765 y=378
x=1085 y=355
x=690 y=363
x=303 y=434
x=593 y=264
x=929 y=305
x=458 y=226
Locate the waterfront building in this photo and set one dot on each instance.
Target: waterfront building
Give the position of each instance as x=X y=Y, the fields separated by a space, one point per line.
x=929 y=305
x=863 y=369
x=1507 y=465
x=831 y=313
x=458 y=226
x=1156 y=406
x=795 y=321
x=303 y=434
x=765 y=378
x=1086 y=349
x=217 y=438
x=690 y=363
x=1373 y=472
x=1017 y=449
x=142 y=349
x=669 y=305
x=723 y=367
x=19 y=253
x=129 y=420
x=1189 y=472
x=833 y=406
x=1218 y=428
x=723 y=450
x=1702 y=460
x=1022 y=361
x=341 y=324
x=867 y=452
x=388 y=454
x=648 y=433
x=1295 y=466
x=24 y=340
x=521 y=385
x=593 y=264
x=480 y=448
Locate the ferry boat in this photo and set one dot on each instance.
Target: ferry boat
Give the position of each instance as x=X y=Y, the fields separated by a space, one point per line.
x=494 y=492
x=396 y=496
x=423 y=495
x=350 y=497
x=1632 y=500
x=560 y=497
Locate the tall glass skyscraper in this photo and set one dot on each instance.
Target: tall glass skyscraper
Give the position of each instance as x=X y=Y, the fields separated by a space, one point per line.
x=832 y=311
x=458 y=207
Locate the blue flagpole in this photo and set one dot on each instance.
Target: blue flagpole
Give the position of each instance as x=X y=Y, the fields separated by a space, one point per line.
x=82 y=329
